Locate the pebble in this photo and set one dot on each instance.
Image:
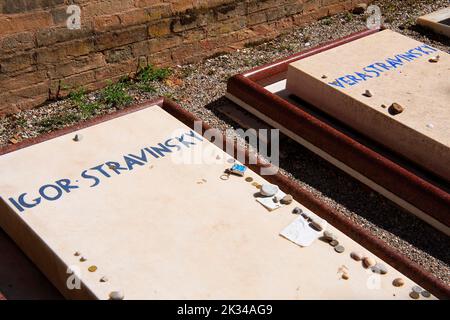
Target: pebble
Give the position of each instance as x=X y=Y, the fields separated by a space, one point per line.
x=345 y=276
x=77 y=254
x=414 y=295
x=434 y=59
x=269 y=190
x=287 y=199
x=367 y=94
x=357 y=256
x=360 y=8
x=78 y=137
x=329 y=236
x=417 y=289
x=104 y=279
x=369 y=262
x=339 y=249
x=82 y=259
x=395 y=109
x=249 y=179
x=334 y=243
x=379 y=268
x=425 y=294
x=398 y=282
x=116 y=295
x=324 y=77
x=317 y=225
x=297 y=210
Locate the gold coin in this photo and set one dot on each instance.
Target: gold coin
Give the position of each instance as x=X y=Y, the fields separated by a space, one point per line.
x=92 y=268
x=257 y=185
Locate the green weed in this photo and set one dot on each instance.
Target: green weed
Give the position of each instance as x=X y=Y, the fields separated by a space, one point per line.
x=151 y=73
x=116 y=95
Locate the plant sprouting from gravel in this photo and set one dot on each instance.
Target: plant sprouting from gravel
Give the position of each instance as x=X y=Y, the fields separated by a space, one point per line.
x=116 y=94
x=81 y=101
x=151 y=73
x=57 y=121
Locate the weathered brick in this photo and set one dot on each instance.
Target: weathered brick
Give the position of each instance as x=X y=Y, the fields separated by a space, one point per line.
x=49 y=36
x=38 y=52
x=16 y=42
x=20 y=6
x=118 y=54
x=24 y=22
x=121 y=37
x=21 y=62
x=77 y=65
x=64 y=51
x=23 y=80
x=160 y=28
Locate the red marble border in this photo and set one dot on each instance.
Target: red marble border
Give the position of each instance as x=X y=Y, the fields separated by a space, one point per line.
x=371 y=242
x=419 y=192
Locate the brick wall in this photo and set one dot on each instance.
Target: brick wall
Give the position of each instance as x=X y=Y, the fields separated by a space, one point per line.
x=41 y=58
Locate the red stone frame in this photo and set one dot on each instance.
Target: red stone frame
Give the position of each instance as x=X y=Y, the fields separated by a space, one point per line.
x=371 y=242
x=249 y=88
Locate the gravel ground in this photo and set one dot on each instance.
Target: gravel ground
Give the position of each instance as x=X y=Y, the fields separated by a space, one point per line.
x=200 y=88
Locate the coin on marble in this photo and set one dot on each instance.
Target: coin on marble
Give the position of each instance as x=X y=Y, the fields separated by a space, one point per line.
x=92 y=268
x=417 y=289
x=414 y=295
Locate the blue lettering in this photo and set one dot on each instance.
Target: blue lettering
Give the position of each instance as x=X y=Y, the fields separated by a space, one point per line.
x=386 y=67
x=132 y=162
x=336 y=83
x=152 y=153
x=87 y=176
x=415 y=54
x=23 y=203
x=44 y=188
x=375 y=67
x=65 y=184
x=420 y=49
x=187 y=144
x=429 y=47
x=172 y=145
x=363 y=75
x=101 y=170
x=377 y=74
x=162 y=148
x=142 y=158
x=115 y=166
x=394 y=62
x=193 y=134
x=354 y=79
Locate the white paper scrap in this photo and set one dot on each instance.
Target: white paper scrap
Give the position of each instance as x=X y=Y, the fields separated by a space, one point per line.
x=269 y=203
x=300 y=232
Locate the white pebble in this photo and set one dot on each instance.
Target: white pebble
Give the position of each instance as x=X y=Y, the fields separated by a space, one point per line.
x=269 y=190
x=116 y=295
